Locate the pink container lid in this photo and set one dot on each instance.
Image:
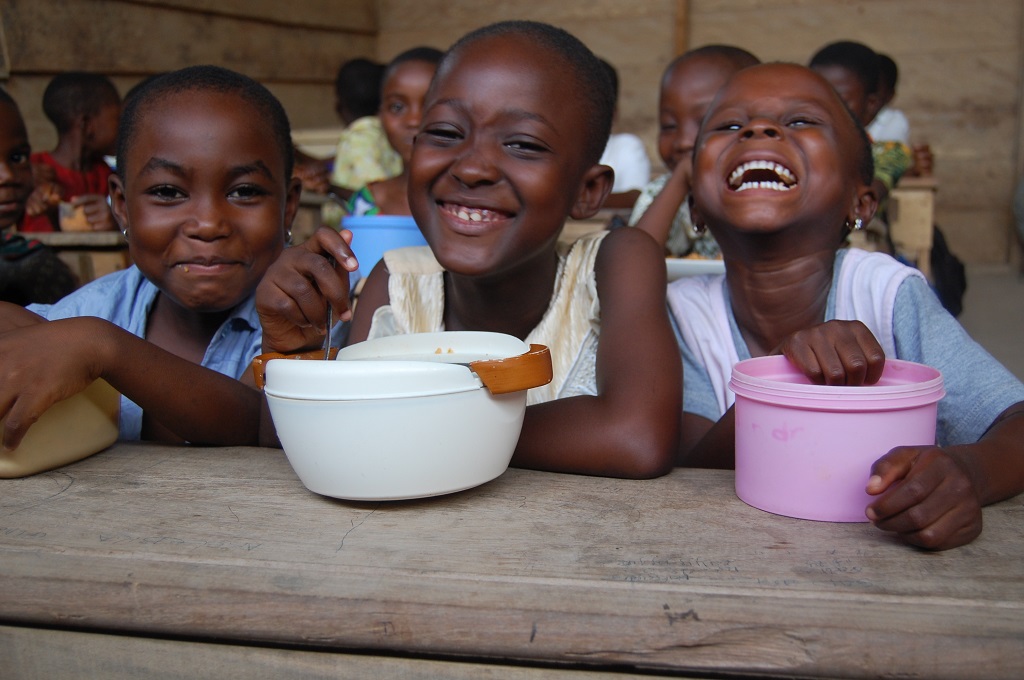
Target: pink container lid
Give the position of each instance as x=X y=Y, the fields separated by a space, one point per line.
x=774 y=380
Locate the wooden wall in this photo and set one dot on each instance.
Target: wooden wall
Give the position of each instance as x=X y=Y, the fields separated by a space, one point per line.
x=960 y=63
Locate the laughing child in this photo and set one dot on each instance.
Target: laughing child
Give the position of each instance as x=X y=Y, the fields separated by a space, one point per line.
x=782 y=172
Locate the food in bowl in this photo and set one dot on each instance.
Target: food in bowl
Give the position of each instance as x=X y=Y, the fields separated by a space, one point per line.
x=387 y=420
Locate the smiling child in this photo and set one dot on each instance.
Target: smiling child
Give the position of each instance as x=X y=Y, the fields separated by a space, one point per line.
x=782 y=172
x=513 y=127
x=204 y=195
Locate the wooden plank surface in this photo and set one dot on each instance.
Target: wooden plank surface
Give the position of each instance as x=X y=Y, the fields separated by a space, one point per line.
x=226 y=544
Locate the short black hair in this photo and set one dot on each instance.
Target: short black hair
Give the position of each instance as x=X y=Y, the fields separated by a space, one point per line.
x=6 y=98
x=427 y=55
x=589 y=76
x=888 y=72
x=76 y=93
x=357 y=86
x=211 y=79
x=613 y=77
x=855 y=57
x=737 y=57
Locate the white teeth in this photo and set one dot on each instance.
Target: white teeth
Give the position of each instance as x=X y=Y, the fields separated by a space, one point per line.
x=471 y=215
x=476 y=217
x=788 y=180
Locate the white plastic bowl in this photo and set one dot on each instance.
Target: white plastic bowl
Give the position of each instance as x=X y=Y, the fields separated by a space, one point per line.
x=390 y=419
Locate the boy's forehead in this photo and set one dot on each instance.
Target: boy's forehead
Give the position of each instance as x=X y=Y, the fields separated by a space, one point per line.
x=780 y=82
x=514 y=56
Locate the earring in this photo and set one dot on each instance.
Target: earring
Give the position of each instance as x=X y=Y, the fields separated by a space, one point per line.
x=699 y=229
x=124 y=232
x=858 y=224
x=288 y=237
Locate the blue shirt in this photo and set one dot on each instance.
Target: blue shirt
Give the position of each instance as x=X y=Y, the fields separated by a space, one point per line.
x=125 y=299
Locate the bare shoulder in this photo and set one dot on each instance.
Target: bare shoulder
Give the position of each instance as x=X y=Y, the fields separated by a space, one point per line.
x=630 y=257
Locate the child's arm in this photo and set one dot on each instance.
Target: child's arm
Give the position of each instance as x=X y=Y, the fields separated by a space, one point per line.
x=932 y=497
x=43 y=363
x=290 y=297
x=631 y=428
x=657 y=219
x=97 y=211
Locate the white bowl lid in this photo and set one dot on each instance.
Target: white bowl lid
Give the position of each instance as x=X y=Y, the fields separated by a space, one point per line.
x=445 y=346
x=341 y=380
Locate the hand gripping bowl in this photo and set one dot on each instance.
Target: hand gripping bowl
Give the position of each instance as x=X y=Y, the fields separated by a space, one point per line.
x=806 y=451
x=68 y=431
x=407 y=416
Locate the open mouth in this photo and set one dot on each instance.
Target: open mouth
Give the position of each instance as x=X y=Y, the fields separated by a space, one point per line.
x=468 y=214
x=761 y=175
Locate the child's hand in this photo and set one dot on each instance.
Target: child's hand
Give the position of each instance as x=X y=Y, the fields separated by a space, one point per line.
x=291 y=297
x=43 y=363
x=97 y=211
x=836 y=353
x=925 y=496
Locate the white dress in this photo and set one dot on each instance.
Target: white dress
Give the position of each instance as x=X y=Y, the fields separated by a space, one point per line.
x=569 y=328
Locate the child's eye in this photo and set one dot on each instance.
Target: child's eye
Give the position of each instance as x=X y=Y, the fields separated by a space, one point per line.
x=19 y=157
x=726 y=126
x=247 y=192
x=166 y=192
x=526 y=146
x=439 y=134
x=800 y=121
x=395 y=108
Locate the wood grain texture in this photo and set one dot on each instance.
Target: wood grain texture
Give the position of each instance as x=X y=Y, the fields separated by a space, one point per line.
x=667 y=574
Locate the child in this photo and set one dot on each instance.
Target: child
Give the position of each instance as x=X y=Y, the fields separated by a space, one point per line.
x=781 y=172
x=403 y=88
x=853 y=70
x=514 y=124
x=888 y=122
x=84 y=107
x=29 y=271
x=687 y=87
x=626 y=155
x=204 y=196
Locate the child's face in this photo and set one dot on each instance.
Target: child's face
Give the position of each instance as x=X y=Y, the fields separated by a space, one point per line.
x=15 y=169
x=778 y=149
x=851 y=88
x=686 y=93
x=401 y=104
x=204 y=198
x=101 y=130
x=500 y=161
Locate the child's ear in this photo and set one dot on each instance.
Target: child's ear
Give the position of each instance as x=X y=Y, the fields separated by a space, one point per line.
x=696 y=219
x=118 y=206
x=594 y=189
x=291 y=202
x=864 y=204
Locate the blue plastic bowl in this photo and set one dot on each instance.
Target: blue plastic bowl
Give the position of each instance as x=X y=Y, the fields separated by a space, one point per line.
x=372 y=235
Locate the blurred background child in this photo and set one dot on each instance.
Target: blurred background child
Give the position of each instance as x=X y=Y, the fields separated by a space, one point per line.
x=71 y=180
x=205 y=198
x=513 y=128
x=29 y=271
x=687 y=88
x=403 y=88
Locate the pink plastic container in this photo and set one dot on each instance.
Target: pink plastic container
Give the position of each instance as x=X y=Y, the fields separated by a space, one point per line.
x=806 y=450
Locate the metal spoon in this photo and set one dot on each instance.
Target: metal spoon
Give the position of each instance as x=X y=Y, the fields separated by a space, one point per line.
x=330 y=321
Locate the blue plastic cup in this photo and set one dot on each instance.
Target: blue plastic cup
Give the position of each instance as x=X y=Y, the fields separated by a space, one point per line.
x=372 y=235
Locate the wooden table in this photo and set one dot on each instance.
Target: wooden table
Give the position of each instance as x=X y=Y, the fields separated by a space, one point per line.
x=911 y=215
x=89 y=254
x=153 y=561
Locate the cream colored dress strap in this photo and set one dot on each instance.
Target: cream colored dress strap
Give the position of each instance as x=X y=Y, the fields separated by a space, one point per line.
x=569 y=328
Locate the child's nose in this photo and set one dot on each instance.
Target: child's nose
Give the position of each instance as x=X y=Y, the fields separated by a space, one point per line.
x=207 y=220
x=762 y=127
x=475 y=166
